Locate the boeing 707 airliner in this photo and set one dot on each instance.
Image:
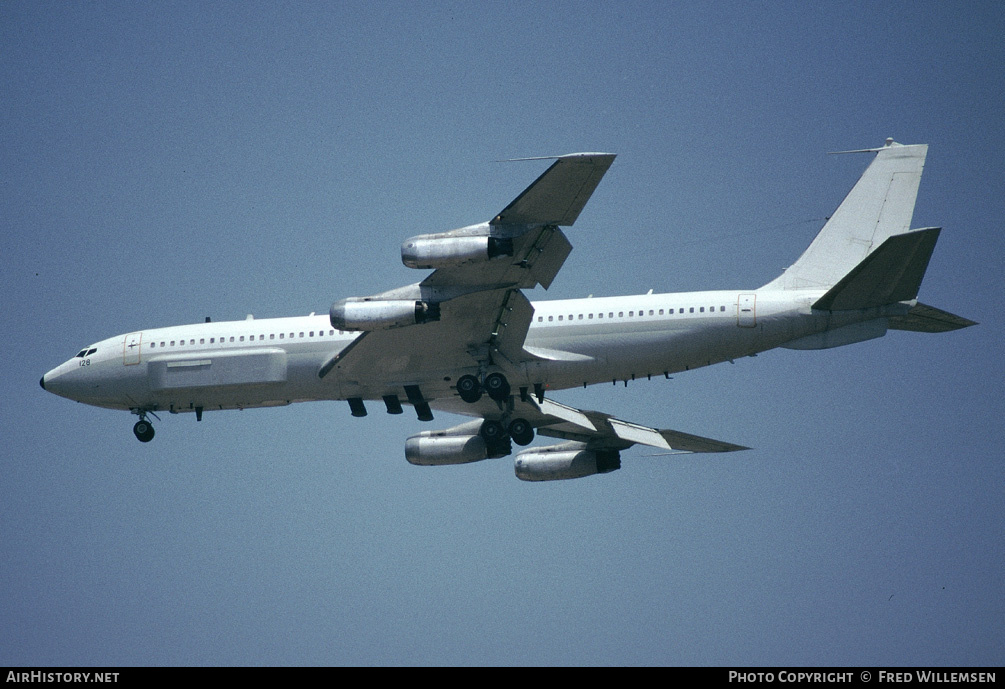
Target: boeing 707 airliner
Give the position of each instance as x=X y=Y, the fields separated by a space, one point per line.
x=466 y=339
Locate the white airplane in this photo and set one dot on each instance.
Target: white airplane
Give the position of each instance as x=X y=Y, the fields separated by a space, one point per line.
x=466 y=340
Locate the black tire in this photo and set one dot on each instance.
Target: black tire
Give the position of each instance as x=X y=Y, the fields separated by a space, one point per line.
x=492 y=432
x=497 y=387
x=521 y=432
x=144 y=431
x=469 y=389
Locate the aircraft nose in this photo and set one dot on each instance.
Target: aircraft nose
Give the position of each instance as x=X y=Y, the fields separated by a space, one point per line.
x=41 y=381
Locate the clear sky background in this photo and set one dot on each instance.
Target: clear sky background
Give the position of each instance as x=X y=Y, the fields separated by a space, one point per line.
x=163 y=162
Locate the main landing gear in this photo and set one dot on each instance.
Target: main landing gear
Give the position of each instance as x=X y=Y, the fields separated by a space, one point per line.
x=496 y=386
x=496 y=433
x=143 y=429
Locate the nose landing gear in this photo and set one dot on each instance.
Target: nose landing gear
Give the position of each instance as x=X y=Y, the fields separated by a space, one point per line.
x=143 y=429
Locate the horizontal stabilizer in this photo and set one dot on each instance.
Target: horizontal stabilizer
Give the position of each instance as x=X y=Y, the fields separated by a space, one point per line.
x=558 y=196
x=891 y=273
x=923 y=318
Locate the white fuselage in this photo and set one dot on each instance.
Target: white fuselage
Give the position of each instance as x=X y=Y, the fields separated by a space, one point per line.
x=271 y=362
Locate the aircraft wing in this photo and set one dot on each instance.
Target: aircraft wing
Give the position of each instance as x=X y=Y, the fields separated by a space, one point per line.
x=482 y=315
x=532 y=219
x=596 y=429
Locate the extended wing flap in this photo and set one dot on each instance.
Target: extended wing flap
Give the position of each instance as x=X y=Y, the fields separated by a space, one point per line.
x=512 y=324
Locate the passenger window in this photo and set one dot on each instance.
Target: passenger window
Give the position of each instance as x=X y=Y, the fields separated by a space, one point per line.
x=692 y=309
x=560 y=318
x=600 y=315
x=702 y=309
x=631 y=313
x=610 y=314
x=580 y=316
x=591 y=316
x=312 y=333
x=301 y=334
x=722 y=308
x=281 y=335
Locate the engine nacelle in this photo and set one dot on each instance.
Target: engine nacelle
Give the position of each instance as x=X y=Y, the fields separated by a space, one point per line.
x=439 y=251
x=380 y=314
x=558 y=462
x=433 y=450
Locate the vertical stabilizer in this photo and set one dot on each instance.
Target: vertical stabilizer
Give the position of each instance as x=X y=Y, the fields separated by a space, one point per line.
x=881 y=204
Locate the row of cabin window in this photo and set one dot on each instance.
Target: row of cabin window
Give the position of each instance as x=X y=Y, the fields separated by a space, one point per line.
x=631 y=314
x=240 y=338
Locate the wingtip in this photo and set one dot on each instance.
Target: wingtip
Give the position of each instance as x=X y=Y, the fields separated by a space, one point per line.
x=567 y=156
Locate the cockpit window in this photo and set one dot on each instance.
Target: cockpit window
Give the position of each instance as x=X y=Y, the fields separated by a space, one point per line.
x=85 y=352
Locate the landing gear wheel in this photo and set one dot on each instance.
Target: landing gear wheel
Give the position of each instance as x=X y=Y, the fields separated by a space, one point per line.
x=521 y=432
x=144 y=431
x=469 y=389
x=492 y=431
x=497 y=443
x=497 y=386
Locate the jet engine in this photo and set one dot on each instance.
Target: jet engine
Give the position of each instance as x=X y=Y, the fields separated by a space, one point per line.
x=568 y=460
x=444 y=251
x=357 y=313
x=431 y=450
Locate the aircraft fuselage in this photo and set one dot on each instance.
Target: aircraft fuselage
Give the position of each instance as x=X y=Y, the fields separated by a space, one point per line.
x=272 y=362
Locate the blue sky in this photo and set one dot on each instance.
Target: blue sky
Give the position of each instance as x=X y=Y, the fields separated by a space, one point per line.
x=168 y=161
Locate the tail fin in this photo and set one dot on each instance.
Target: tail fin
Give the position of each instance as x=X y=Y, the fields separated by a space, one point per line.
x=879 y=206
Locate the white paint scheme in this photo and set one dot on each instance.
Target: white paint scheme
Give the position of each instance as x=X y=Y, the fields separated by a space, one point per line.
x=566 y=343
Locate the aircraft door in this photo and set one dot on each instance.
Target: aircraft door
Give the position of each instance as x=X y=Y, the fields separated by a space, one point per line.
x=746 y=315
x=131 y=348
